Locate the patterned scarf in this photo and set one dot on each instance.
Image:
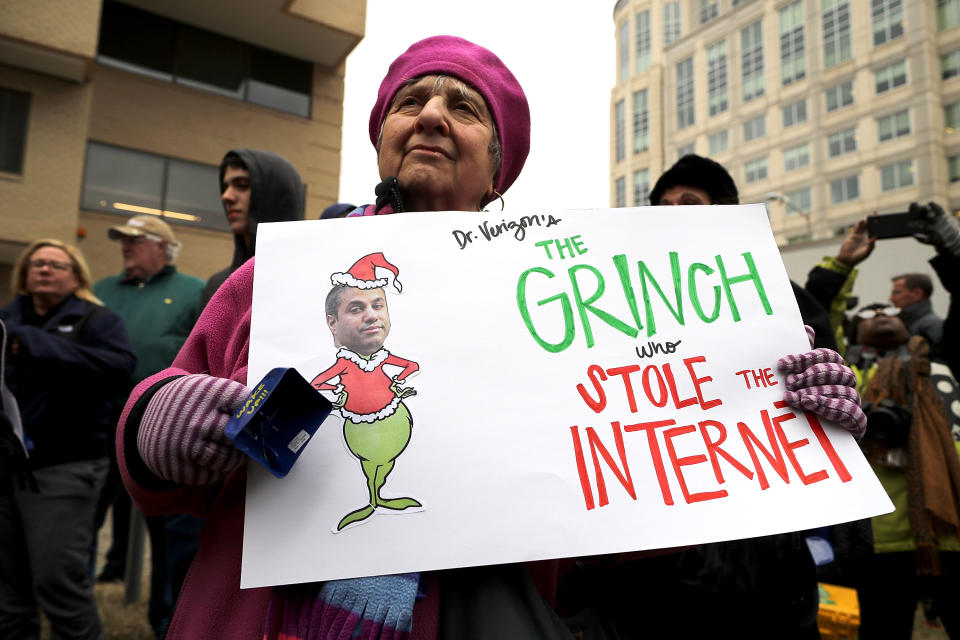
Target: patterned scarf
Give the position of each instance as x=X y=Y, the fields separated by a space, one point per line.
x=374 y=608
x=933 y=469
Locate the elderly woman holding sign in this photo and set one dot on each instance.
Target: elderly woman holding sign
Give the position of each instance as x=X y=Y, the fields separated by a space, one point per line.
x=451 y=127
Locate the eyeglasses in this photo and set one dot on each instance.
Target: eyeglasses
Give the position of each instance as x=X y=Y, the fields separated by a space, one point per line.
x=56 y=265
x=866 y=314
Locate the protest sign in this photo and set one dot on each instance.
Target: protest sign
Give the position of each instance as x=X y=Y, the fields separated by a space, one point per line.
x=558 y=384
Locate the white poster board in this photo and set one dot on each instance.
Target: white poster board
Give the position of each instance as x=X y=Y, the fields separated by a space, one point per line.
x=588 y=382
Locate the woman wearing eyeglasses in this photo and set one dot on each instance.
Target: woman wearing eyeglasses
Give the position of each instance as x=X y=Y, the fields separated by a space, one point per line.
x=68 y=360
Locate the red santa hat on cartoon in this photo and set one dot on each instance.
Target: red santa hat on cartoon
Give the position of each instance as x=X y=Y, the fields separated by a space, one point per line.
x=362 y=275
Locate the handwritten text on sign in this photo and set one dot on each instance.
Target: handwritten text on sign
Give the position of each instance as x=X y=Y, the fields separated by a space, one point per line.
x=587 y=382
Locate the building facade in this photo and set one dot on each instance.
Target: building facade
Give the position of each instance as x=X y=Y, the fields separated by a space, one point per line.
x=827 y=110
x=111 y=109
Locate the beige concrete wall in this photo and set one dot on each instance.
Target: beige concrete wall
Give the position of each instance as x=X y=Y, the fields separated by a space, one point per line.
x=155 y=116
x=346 y=15
x=128 y=110
x=43 y=200
x=70 y=26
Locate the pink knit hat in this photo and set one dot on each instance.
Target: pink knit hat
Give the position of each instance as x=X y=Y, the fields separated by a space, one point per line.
x=483 y=71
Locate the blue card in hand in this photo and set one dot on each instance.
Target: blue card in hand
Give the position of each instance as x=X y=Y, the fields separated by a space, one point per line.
x=278 y=419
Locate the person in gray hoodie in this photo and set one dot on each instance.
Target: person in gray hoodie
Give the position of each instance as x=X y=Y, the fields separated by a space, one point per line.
x=255 y=186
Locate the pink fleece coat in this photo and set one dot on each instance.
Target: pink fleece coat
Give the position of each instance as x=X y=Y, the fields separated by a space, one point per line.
x=211 y=604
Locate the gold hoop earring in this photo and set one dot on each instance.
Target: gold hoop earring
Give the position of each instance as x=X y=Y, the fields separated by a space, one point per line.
x=501 y=199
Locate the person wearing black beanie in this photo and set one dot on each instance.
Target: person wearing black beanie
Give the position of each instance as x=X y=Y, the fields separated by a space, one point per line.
x=702 y=173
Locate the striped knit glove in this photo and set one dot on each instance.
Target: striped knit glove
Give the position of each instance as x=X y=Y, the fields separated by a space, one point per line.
x=181 y=436
x=819 y=382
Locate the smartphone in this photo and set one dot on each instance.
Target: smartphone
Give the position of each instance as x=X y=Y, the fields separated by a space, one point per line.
x=895 y=225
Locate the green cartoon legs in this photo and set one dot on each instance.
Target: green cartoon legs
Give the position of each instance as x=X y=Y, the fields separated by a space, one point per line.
x=378 y=445
x=380 y=478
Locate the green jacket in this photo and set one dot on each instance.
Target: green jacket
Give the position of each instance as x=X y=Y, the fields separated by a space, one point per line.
x=158 y=314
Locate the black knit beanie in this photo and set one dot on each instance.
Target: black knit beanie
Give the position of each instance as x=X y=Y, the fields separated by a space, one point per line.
x=703 y=173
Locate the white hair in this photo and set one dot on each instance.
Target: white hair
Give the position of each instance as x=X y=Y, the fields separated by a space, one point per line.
x=170 y=251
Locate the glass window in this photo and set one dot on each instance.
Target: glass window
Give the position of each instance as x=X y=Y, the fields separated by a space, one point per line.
x=280 y=82
x=621 y=186
x=686 y=150
x=672 y=26
x=620 y=132
x=893 y=126
x=950 y=65
x=755 y=170
x=14 y=108
x=839 y=96
x=685 y=104
x=842 y=142
x=887 y=18
x=137 y=41
x=795 y=113
x=796 y=157
x=897 y=175
x=122 y=176
x=837 y=44
x=719 y=142
x=793 y=63
x=890 y=76
x=948 y=14
x=755 y=128
x=717 y=77
x=624 y=51
x=844 y=189
x=708 y=10
x=953 y=167
x=801 y=201
x=189 y=195
x=951 y=116
x=212 y=62
x=147 y=44
x=751 y=45
x=130 y=182
x=641 y=121
x=641 y=187
x=643 y=41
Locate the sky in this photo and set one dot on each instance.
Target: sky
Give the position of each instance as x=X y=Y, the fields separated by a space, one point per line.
x=563 y=55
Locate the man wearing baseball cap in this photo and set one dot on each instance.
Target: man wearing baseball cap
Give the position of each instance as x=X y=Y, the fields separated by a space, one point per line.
x=159 y=306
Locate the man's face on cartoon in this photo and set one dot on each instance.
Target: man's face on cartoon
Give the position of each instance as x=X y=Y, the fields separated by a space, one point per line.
x=362 y=323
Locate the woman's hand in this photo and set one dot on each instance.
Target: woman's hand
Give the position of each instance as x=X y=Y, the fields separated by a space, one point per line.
x=818 y=381
x=181 y=436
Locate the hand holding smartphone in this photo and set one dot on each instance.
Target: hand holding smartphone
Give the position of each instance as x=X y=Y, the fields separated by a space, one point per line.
x=896 y=225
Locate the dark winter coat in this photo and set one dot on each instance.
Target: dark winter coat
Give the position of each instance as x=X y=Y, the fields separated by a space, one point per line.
x=66 y=372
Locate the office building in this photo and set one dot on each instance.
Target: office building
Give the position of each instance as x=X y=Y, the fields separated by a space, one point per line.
x=827 y=110
x=111 y=109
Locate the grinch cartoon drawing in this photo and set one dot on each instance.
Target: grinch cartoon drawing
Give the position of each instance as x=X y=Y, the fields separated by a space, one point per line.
x=376 y=423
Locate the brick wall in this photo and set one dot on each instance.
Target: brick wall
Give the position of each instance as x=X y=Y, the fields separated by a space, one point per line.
x=70 y=26
x=43 y=200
